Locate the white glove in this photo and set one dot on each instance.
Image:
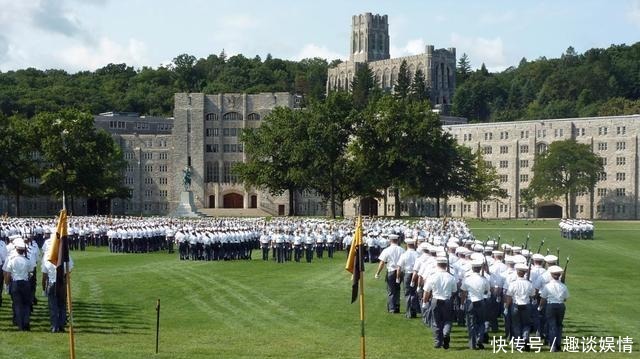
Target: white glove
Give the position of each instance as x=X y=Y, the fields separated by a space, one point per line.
x=461 y=306
x=377 y=276
x=397 y=280
x=413 y=284
x=424 y=305
x=539 y=309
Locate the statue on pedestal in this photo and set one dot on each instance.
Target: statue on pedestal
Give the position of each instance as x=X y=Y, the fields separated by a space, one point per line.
x=186 y=179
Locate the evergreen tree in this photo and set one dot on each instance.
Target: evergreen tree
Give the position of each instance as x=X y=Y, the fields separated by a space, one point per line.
x=463 y=70
x=363 y=87
x=403 y=84
x=419 y=90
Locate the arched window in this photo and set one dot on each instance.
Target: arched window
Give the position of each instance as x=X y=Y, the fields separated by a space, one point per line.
x=232 y=116
x=253 y=117
x=541 y=147
x=211 y=117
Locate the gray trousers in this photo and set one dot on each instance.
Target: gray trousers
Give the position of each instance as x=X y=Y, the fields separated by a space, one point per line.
x=393 y=293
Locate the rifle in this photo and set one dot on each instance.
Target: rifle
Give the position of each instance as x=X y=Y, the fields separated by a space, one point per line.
x=447 y=255
x=547 y=251
x=540 y=247
x=526 y=243
x=558 y=252
x=564 y=272
x=498 y=244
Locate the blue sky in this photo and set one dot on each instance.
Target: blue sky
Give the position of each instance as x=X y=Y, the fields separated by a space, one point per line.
x=79 y=35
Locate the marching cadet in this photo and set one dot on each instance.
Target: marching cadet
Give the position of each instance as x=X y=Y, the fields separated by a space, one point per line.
x=438 y=289
x=390 y=257
x=405 y=271
x=553 y=295
x=16 y=278
x=297 y=246
x=519 y=293
x=279 y=240
x=331 y=243
x=3 y=259
x=474 y=288
x=319 y=237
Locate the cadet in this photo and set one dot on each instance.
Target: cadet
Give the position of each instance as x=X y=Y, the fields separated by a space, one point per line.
x=474 y=289
x=405 y=270
x=16 y=276
x=53 y=286
x=553 y=295
x=390 y=256
x=519 y=293
x=438 y=289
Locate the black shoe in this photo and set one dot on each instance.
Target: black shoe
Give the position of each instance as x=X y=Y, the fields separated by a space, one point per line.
x=446 y=339
x=480 y=346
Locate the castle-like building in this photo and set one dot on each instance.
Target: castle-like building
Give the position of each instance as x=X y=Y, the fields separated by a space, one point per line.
x=370 y=44
x=204 y=135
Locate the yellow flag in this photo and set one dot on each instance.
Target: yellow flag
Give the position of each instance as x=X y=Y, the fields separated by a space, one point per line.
x=58 y=253
x=355 y=264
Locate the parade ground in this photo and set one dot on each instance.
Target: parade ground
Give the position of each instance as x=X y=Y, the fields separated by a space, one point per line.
x=258 y=309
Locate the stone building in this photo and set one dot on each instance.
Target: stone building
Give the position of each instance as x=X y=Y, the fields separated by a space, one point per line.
x=370 y=44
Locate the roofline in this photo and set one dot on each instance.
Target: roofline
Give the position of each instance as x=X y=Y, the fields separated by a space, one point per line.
x=635 y=116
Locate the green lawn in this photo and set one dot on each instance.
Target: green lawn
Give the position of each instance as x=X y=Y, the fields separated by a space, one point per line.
x=253 y=309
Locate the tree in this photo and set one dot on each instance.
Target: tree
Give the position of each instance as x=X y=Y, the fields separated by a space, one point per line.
x=419 y=91
x=19 y=162
x=565 y=169
x=277 y=154
x=363 y=87
x=80 y=160
x=403 y=83
x=463 y=70
x=329 y=131
x=485 y=184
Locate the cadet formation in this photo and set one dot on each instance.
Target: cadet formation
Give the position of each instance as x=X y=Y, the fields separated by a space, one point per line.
x=436 y=268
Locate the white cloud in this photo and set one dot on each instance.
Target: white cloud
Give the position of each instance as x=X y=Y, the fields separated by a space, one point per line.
x=634 y=12
x=413 y=47
x=313 y=50
x=481 y=50
x=87 y=57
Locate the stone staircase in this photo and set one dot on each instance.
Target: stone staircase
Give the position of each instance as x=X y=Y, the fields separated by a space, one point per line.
x=233 y=212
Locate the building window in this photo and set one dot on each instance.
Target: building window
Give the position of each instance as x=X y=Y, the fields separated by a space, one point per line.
x=128 y=155
x=162 y=168
x=487 y=150
x=602 y=192
x=621 y=161
x=504 y=178
x=253 y=117
x=602 y=176
x=164 y=193
x=524 y=148
x=162 y=180
x=211 y=132
x=620 y=146
x=620 y=192
x=488 y=136
x=621 y=208
x=230 y=132
x=148 y=168
x=600 y=208
x=524 y=134
x=163 y=155
x=602 y=146
x=488 y=164
x=524 y=178
x=620 y=176
x=602 y=131
x=504 y=149
x=232 y=116
x=504 y=135
x=583 y=131
x=621 y=130
x=603 y=161
x=524 y=163
x=541 y=148
x=504 y=164
x=147 y=155
x=148 y=193
x=148 y=180
x=211 y=117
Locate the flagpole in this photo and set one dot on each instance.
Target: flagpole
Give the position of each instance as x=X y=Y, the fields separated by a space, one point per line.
x=72 y=347
x=361 y=285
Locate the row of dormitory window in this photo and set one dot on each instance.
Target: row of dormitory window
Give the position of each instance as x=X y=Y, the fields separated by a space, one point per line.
x=147 y=180
x=602 y=176
x=226 y=132
x=140 y=125
x=147 y=168
x=504 y=149
x=226 y=148
x=145 y=142
x=542 y=133
x=147 y=155
x=149 y=193
x=620 y=161
x=232 y=116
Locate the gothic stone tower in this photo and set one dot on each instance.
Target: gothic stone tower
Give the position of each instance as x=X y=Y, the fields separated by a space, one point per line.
x=369 y=38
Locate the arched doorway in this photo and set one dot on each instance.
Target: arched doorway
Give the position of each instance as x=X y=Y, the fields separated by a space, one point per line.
x=550 y=211
x=212 y=201
x=233 y=200
x=369 y=207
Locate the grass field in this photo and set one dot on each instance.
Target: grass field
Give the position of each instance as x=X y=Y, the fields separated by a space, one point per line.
x=256 y=309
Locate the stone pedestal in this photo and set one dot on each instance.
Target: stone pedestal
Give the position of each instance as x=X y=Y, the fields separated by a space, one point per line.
x=186 y=207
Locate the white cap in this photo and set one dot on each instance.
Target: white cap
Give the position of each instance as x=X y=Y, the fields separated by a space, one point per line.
x=521 y=267
x=441 y=259
x=477 y=262
x=537 y=257
x=497 y=253
x=410 y=241
x=555 y=269
x=518 y=258
x=550 y=258
x=19 y=243
x=477 y=257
